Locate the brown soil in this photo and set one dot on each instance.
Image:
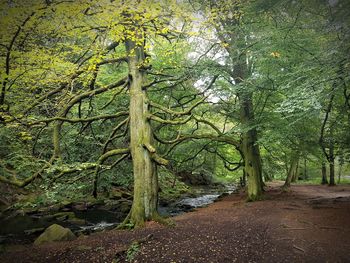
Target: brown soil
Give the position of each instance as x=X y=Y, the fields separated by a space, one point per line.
x=306 y=224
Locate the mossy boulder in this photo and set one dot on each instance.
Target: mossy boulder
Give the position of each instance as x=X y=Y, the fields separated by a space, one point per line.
x=55 y=233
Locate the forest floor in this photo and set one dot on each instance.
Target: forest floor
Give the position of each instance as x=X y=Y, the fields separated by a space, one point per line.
x=309 y=223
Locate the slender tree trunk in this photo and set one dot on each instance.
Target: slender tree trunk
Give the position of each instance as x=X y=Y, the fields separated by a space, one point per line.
x=340 y=171
x=291 y=171
x=305 y=169
x=331 y=173
x=145 y=200
x=324 y=173
x=331 y=159
x=331 y=167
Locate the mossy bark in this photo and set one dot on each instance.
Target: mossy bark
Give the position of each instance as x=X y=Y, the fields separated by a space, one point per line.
x=250 y=149
x=249 y=145
x=145 y=201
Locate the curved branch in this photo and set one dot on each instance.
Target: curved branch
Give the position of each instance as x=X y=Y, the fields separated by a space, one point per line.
x=177 y=113
x=28 y=180
x=112 y=136
x=53 y=92
x=171 y=122
x=8 y=57
x=208 y=123
x=71 y=103
x=165 y=141
x=104 y=157
x=91 y=119
x=159 y=160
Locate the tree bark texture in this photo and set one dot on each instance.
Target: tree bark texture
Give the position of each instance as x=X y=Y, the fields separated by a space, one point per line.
x=293 y=169
x=296 y=172
x=250 y=149
x=324 y=173
x=331 y=159
x=145 y=200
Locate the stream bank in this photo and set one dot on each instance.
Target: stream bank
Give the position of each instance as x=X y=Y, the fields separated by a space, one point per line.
x=83 y=218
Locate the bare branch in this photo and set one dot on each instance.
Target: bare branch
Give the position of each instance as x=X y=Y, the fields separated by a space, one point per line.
x=112 y=135
x=53 y=92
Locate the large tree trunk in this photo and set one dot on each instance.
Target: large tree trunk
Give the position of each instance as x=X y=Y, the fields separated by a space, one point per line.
x=324 y=173
x=250 y=149
x=236 y=45
x=145 y=200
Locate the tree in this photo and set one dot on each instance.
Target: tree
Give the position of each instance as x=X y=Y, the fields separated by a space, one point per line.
x=121 y=43
x=227 y=18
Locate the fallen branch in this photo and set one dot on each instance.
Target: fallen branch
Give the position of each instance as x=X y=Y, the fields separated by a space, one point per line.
x=298 y=248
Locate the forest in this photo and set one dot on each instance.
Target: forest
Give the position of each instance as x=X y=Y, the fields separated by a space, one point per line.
x=119 y=115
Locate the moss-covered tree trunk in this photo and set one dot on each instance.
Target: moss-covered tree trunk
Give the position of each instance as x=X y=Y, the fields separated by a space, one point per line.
x=249 y=146
x=230 y=33
x=145 y=201
x=250 y=149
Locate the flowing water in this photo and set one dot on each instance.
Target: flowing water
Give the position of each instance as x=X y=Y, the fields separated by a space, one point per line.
x=25 y=228
x=187 y=204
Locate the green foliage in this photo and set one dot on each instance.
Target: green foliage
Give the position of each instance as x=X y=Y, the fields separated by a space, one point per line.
x=170 y=186
x=298 y=61
x=132 y=251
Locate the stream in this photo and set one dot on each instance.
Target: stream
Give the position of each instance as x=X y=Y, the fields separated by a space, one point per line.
x=24 y=228
x=204 y=197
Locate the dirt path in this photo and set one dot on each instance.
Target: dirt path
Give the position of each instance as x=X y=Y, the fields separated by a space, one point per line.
x=307 y=224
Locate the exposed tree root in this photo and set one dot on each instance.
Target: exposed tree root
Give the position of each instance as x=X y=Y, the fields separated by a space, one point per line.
x=128 y=224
